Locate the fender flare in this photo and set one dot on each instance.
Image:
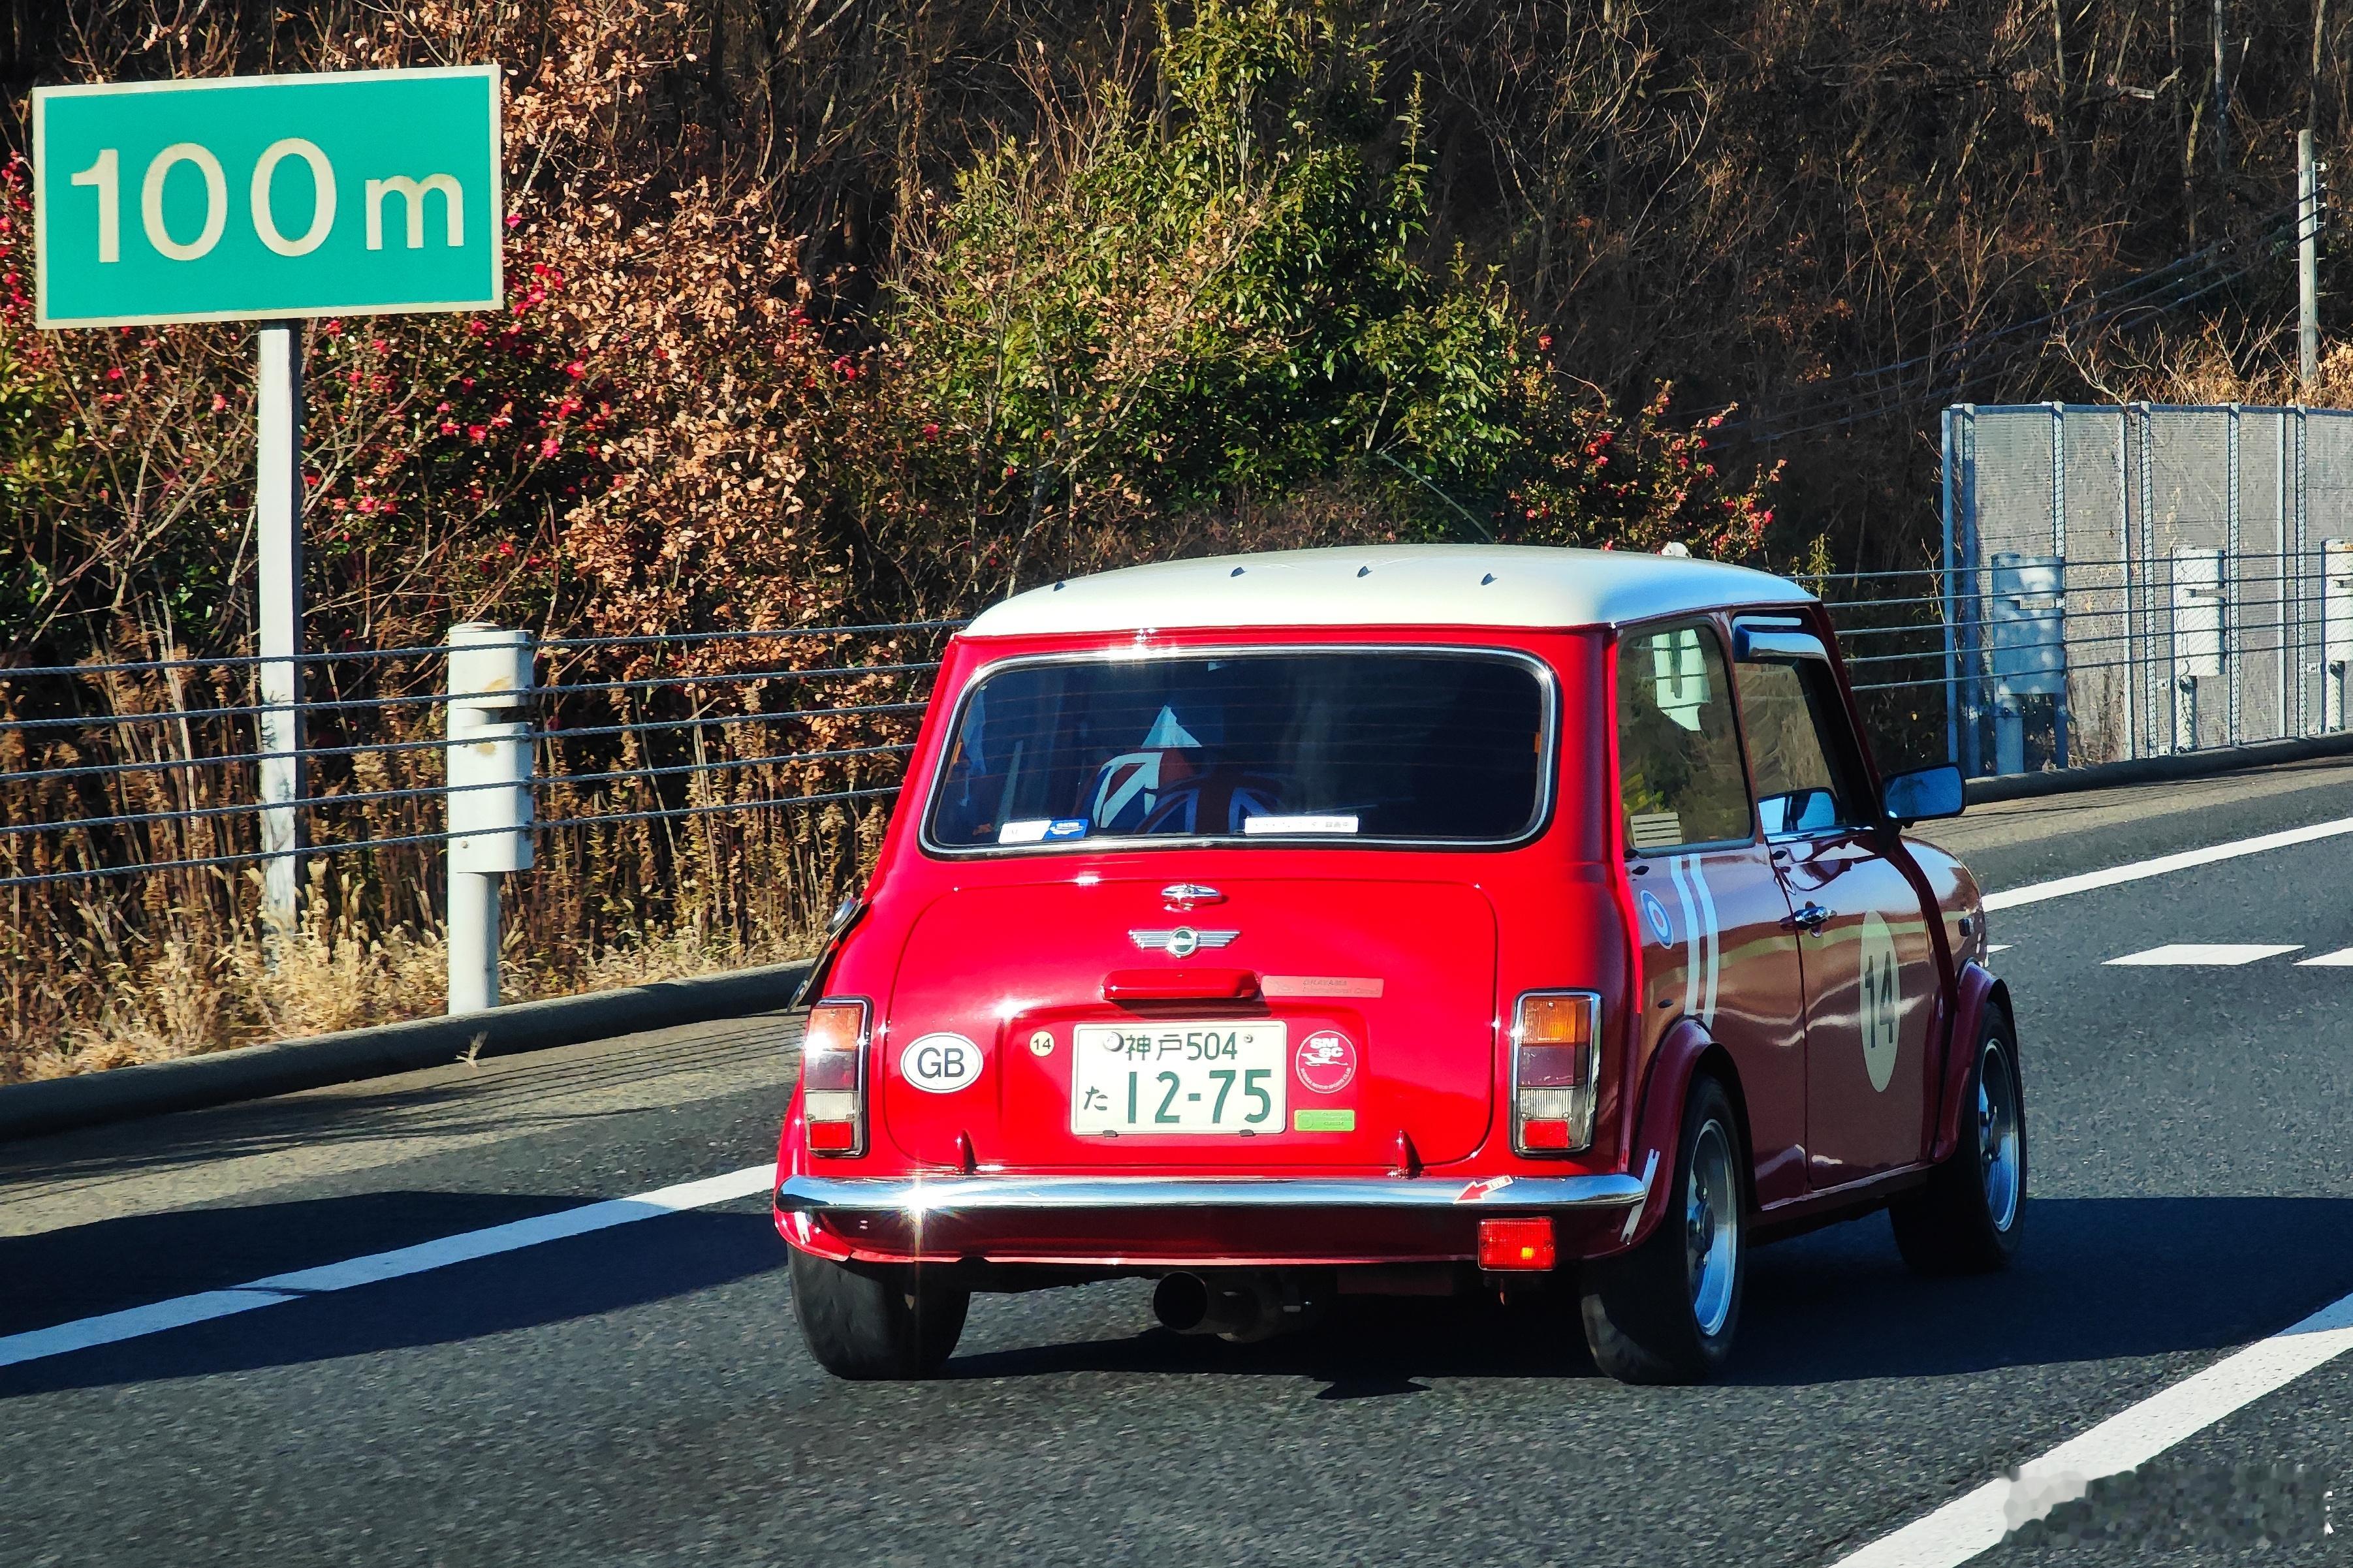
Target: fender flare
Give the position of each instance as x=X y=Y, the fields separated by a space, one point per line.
x=1976 y=991
x=1687 y=1048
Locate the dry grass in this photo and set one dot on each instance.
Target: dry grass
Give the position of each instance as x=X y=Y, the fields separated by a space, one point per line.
x=334 y=974
x=671 y=849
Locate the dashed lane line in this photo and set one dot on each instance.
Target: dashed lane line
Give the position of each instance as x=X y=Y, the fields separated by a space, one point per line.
x=111 y=1328
x=2205 y=955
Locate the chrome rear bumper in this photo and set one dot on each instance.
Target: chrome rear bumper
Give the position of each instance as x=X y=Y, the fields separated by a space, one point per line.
x=1014 y=1194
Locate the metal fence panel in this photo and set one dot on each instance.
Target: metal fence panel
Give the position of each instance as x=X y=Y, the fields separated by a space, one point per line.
x=2131 y=581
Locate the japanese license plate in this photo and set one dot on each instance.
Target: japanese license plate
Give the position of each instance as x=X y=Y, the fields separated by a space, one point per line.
x=1178 y=1078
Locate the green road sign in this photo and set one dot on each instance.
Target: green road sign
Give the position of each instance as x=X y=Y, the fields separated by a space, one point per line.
x=360 y=193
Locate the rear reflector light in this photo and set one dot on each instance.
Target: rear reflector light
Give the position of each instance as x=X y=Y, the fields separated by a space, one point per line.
x=833 y=1078
x=1515 y=1243
x=1556 y=1058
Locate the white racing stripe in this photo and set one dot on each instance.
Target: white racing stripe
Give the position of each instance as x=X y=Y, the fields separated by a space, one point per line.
x=1976 y=1521
x=111 y=1328
x=1714 y=942
x=1690 y=934
x=2134 y=871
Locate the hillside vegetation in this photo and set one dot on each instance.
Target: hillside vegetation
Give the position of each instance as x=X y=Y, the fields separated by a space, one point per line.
x=870 y=311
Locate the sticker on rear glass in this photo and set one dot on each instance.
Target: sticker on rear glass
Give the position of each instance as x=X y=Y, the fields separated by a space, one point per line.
x=940 y=1064
x=1325 y=1061
x=1043 y=829
x=1271 y=824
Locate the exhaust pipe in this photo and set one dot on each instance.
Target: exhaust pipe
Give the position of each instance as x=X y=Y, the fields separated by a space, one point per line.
x=1240 y=1306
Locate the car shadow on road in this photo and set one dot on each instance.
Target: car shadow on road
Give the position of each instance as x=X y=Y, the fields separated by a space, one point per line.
x=1362 y=1348
x=115 y=1265
x=2097 y=1279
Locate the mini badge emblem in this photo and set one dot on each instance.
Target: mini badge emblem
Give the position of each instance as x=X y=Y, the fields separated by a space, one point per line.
x=1182 y=942
x=1325 y=1061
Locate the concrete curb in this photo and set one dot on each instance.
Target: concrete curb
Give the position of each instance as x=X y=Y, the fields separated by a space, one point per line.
x=253 y=1072
x=2158 y=770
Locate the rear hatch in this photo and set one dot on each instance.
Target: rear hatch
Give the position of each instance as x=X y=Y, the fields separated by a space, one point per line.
x=1289 y=1021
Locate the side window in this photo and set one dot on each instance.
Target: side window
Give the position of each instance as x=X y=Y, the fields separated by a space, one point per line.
x=1679 y=771
x=1804 y=783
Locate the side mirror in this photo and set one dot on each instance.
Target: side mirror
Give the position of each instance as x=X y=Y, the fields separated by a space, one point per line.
x=1922 y=794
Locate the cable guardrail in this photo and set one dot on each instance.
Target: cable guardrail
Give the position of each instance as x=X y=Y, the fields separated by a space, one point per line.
x=658 y=745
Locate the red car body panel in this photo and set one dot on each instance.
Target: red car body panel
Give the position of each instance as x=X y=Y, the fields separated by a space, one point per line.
x=1415 y=956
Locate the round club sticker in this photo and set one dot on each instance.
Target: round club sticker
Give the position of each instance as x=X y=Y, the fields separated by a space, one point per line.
x=940 y=1064
x=1325 y=1061
x=1654 y=915
x=1882 y=1000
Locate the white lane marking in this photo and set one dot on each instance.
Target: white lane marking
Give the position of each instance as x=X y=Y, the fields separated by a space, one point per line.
x=2133 y=871
x=2206 y=953
x=111 y=1328
x=1999 y=947
x=2341 y=958
x=1978 y=1519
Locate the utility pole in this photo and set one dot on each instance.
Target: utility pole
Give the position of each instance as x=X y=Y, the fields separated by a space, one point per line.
x=2221 y=96
x=2307 y=262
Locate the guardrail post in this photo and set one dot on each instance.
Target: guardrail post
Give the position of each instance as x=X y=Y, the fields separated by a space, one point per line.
x=277 y=535
x=490 y=770
x=2200 y=634
x=2336 y=629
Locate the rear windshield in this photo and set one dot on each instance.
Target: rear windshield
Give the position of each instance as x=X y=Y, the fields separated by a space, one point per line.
x=1343 y=745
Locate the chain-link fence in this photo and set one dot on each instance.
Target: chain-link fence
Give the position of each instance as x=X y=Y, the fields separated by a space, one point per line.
x=2125 y=582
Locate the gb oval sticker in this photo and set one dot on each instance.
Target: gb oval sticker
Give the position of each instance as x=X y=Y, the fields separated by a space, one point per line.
x=940 y=1064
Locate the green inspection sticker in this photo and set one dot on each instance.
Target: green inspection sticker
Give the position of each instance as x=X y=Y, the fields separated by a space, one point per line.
x=1323 y=1121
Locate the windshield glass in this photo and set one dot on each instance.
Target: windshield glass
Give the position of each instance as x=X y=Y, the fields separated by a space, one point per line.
x=1348 y=744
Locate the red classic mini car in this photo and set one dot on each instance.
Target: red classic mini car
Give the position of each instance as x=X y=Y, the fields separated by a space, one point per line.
x=1411 y=920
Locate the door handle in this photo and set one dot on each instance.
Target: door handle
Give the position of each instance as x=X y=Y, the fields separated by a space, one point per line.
x=1180 y=986
x=1811 y=917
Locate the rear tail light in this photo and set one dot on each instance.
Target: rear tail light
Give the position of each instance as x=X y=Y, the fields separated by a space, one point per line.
x=833 y=1079
x=1515 y=1243
x=1556 y=1057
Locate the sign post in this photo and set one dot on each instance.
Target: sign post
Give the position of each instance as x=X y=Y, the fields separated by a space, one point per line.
x=277 y=528
x=269 y=199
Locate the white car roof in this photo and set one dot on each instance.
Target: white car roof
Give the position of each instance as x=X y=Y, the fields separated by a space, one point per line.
x=1396 y=585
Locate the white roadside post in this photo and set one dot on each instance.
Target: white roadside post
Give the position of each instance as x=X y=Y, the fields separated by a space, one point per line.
x=2197 y=636
x=490 y=766
x=278 y=527
x=2336 y=631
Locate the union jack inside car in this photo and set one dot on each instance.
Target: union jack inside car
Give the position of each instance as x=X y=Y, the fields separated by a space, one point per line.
x=1425 y=919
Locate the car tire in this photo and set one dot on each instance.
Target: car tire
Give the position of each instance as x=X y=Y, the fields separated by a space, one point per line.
x=865 y=1321
x=1966 y=1218
x=1666 y=1311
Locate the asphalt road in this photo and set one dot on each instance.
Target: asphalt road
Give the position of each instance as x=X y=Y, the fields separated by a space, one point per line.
x=639 y=1395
